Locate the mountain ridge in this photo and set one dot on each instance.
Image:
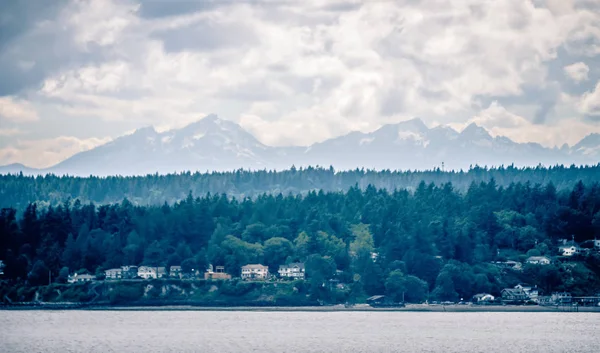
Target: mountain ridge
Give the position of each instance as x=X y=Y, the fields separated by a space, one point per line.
x=215 y=144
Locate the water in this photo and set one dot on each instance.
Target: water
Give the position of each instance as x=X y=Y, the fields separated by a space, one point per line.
x=229 y=331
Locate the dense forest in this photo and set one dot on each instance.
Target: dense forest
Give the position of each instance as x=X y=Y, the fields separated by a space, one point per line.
x=432 y=242
x=18 y=190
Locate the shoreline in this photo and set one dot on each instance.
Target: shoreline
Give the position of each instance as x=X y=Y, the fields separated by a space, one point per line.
x=333 y=308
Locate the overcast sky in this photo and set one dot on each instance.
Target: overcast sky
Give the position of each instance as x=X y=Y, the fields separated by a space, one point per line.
x=75 y=74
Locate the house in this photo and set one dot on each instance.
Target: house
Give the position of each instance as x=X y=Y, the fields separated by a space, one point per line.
x=217 y=273
x=513 y=296
x=596 y=243
x=294 y=270
x=483 y=298
x=146 y=272
x=129 y=272
x=175 y=271
x=517 y=266
x=561 y=298
x=113 y=274
x=1 y=267
x=569 y=250
x=531 y=291
x=255 y=271
x=538 y=260
x=77 y=278
x=381 y=301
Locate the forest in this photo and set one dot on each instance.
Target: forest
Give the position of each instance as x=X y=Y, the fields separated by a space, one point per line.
x=18 y=191
x=433 y=242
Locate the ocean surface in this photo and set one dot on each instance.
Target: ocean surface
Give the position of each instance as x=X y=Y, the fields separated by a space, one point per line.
x=231 y=331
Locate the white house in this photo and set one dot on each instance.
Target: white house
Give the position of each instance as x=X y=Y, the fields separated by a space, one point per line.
x=482 y=298
x=114 y=273
x=76 y=278
x=255 y=271
x=293 y=270
x=146 y=272
x=538 y=260
x=569 y=250
x=596 y=243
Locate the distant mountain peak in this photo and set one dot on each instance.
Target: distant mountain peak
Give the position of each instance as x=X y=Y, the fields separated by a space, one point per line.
x=146 y=130
x=211 y=143
x=474 y=131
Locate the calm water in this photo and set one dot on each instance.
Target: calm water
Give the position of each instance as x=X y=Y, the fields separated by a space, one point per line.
x=197 y=331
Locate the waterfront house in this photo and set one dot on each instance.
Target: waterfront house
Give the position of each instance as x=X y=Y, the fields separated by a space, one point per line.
x=513 y=296
x=175 y=271
x=129 y=272
x=146 y=272
x=77 y=278
x=161 y=272
x=255 y=271
x=217 y=273
x=538 y=260
x=113 y=274
x=293 y=271
x=483 y=298
x=561 y=298
x=531 y=291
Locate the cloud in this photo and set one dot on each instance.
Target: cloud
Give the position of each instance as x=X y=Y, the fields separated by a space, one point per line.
x=590 y=102
x=47 y=152
x=299 y=72
x=577 y=72
x=18 y=110
x=9 y=132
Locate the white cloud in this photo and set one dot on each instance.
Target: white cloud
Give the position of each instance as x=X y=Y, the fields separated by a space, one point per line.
x=47 y=152
x=590 y=102
x=577 y=72
x=9 y=132
x=18 y=110
x=299 y=72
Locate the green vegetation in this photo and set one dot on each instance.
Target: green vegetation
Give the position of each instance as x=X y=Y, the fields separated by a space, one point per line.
x=434 y=242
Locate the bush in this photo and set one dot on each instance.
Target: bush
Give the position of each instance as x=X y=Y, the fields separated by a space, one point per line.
x=126 y=293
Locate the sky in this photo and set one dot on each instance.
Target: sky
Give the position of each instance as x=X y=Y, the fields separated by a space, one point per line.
x=75 y=74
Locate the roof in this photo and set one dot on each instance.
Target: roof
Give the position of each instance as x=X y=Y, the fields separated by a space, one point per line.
x=293 y=264
x=83 y=276
x=173 y=268
x=514 y=291
x=537 y=258
x=255 y=266
x=114 y=269
x=375 y=297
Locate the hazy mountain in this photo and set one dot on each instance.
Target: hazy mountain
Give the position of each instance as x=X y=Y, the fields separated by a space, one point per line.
x=215 y=144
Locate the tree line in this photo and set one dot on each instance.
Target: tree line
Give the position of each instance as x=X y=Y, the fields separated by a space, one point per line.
x=431 y=242
x=19 y=190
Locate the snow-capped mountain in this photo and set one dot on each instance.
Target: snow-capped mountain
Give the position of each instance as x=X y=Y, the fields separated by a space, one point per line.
x=215 y=144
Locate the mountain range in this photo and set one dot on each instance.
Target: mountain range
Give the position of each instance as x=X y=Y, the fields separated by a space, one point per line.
x=215 y=144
